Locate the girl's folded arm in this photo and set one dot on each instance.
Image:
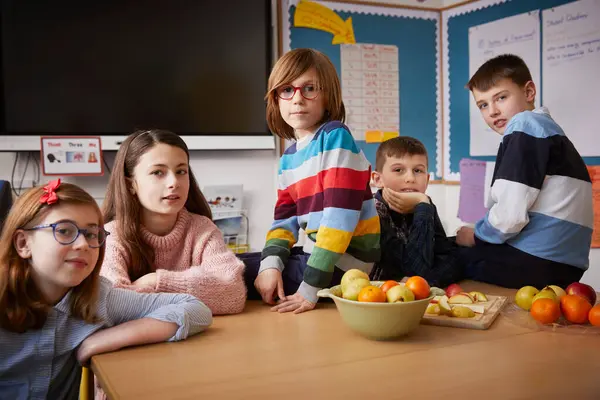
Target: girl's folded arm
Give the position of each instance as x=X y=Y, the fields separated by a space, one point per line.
x=136 y=318
x=187 y=312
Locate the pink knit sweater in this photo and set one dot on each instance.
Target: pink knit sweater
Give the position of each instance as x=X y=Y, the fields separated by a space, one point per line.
x=192 y=258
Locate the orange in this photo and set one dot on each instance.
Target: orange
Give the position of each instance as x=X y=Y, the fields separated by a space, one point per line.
x=594 y=315
x=387 y=285
x=372 y=294
x=545 y=310
x=418 y=286
x=575 y=308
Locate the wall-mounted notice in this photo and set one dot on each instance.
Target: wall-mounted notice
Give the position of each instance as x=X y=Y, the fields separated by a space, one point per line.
x=571 y=63
x=371 y=89
x=471 y=207
x=71 y=155
x=519 y=35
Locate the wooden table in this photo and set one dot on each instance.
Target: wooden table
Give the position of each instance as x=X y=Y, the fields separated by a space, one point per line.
x=263 y=355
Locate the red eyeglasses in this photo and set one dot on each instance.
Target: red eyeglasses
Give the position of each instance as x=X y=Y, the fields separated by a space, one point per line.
x=309 y=91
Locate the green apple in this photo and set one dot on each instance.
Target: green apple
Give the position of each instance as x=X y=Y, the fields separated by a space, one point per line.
x=353 y=288
x=557 y=290
x=351 y=275
x=399 y=294
x=461 y=298
x=478 y=297
x=462 y=312
x=444 y=306
x=433 y=309
x=524 y=297
x=545 y=294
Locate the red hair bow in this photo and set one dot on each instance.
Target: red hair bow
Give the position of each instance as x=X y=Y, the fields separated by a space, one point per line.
x=49 y=196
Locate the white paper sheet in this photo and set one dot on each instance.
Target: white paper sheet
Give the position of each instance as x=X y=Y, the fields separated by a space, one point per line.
x=571 y=68
x=370 y=88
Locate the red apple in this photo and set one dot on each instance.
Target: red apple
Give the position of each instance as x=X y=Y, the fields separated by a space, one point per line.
x=453 y=289
x=583 y=290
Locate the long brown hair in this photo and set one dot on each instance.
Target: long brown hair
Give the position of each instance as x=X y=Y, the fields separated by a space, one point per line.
x=123 y=207
x=22 y=304
x=291 y=66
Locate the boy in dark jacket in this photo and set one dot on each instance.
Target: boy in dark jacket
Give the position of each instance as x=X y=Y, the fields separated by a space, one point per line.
x=413 y=240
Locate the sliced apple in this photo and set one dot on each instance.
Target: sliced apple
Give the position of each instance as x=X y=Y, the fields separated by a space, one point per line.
x=462 y=312
x=445 y=308
x=478 y=297
x=433 y=309
x=461 y=298
x=436 y=299
x=477 y=308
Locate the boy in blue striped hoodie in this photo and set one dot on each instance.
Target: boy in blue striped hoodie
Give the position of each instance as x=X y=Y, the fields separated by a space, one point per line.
x=538 y=227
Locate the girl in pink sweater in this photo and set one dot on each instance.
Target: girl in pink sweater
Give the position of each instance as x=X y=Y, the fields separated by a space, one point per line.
x=162 y=238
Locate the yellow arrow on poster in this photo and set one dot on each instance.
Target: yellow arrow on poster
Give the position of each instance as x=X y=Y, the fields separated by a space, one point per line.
x=316 y=16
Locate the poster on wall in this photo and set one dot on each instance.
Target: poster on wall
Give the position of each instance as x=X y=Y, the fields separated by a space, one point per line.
x=371 y=90
x=570 y=65
x=71 y=155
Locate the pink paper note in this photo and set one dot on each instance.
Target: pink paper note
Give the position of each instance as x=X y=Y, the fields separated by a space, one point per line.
x=471 y=206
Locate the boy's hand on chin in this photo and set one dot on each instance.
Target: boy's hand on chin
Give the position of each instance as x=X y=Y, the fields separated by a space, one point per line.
x=404 y=202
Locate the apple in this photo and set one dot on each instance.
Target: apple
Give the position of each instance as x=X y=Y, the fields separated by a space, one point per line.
x=583 y=290
x=387 y=285
x=351 y=275
x=436 y=299
x=545 y=294
x=444 y=306
x=353 y=288
x=433 y=309
x=453 y=289
x=462 y=312
x=478 y=297
x=436 y=291
x=477 y=308
x=524 y=297
x=557 y=290
x=399 y=294
x=461 y=298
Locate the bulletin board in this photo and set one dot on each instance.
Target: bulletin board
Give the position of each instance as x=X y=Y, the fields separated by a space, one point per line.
x=456 y=24
x=409 y=41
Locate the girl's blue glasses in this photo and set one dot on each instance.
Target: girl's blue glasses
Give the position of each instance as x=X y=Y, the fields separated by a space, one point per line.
x=67 y=232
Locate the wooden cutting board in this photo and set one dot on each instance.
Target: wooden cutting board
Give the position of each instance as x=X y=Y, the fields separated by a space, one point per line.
x=479 y=321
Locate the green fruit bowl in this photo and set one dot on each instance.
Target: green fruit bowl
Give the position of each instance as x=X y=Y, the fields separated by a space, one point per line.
x=378 y=321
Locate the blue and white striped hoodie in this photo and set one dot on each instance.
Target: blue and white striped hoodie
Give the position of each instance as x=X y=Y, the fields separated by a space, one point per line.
x=541 y=194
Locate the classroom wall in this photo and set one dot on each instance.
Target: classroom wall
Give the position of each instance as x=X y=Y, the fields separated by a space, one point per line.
x=257 y=170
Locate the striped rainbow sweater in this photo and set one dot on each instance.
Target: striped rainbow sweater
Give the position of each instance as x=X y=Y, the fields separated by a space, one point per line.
x=541 y=193
x=324 y=189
